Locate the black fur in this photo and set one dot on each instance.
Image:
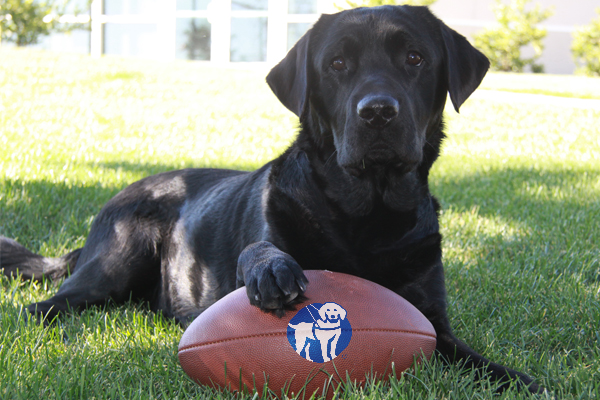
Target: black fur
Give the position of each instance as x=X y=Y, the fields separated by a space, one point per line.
x=349 y=195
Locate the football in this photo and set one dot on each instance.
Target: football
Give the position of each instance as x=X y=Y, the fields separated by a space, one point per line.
x=347 y=328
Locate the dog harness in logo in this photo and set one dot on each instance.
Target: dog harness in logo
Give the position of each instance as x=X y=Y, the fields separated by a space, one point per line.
x=320 y=331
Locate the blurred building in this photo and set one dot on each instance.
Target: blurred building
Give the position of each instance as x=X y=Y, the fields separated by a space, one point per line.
x=223 y=31
x=470 y=16
x=219 y=31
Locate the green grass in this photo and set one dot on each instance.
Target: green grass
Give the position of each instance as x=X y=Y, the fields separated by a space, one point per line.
x=519 y=185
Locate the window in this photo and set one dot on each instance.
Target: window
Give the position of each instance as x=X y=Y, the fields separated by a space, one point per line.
x=120 y=7
x=130 y=39
x=301 y=16
x=302 y=7
x=192 y=39
x=192 y=5
x=249 y=5
x=248 y=39
x=214 y=30
x=295 y=32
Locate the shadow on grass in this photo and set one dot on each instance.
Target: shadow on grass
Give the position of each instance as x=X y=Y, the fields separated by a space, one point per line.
x=147 y=169
x=507 y=190
x=558 y=208
x=561 y=205
x=553 y=214
x=35 y=210
x=536 y=198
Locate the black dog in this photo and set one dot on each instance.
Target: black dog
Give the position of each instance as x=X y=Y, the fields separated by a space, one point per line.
x=349 y=195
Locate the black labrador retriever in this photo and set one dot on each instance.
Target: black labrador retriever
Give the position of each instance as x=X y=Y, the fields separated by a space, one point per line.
x=350 y=194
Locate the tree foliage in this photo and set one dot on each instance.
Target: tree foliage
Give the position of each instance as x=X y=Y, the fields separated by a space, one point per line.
x=24 y=21
x=586 y=47
x=516 y=28
x=374 y=3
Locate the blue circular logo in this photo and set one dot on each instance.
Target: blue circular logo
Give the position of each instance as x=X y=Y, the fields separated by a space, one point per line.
x=320 y=332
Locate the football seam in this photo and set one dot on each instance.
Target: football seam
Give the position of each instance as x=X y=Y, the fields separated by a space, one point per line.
x=194 y=346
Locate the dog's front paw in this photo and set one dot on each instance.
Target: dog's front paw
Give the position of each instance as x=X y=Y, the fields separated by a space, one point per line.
x=273 y=279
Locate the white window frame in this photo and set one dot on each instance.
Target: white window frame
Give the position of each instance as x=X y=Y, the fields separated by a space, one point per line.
x=219 y=14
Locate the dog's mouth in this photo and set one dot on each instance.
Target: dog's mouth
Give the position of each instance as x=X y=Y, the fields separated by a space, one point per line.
x=377 y=161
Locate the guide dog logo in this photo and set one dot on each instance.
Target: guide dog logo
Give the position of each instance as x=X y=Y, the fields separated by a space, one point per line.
x=320 y=332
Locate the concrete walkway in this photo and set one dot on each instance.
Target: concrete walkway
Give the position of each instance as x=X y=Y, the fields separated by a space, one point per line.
x=512 y=97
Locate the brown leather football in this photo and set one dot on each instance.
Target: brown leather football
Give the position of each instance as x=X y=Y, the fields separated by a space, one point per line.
x=348 y=327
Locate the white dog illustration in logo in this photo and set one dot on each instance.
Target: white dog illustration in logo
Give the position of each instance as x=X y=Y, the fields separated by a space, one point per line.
x=326 y=330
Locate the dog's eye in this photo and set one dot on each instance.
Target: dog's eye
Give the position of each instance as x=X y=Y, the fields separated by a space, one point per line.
x=338 y=63
x=413 y=58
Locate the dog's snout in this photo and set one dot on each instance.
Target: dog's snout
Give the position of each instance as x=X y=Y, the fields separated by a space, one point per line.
x=378 y=111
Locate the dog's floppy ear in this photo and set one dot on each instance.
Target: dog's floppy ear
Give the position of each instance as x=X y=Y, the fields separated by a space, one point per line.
x=343 y=313
x=322 y=312
x=465 y=66
x=289 y=79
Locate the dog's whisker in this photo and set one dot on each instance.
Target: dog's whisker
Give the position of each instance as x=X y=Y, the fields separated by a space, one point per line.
x=330 y=158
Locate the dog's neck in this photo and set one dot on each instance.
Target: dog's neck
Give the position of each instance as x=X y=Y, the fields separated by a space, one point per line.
x=392 y=189
x=308 y=186
x=327 y=325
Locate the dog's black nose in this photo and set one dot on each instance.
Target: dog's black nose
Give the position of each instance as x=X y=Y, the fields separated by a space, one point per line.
x=378 y=111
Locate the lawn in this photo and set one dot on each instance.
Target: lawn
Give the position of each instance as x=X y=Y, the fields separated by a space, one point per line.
x=519 y=185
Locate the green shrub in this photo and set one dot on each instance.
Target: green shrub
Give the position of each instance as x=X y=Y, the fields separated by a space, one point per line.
x=516 y=28
x=586 y=48
x=24 y=21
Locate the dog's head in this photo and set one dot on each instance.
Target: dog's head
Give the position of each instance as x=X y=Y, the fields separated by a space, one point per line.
x=331 y=312
x=375 y=80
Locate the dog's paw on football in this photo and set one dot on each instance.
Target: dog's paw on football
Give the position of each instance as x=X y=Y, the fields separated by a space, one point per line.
x=274 y=281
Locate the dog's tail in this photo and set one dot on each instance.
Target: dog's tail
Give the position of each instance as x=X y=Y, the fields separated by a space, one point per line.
x=16 y=260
